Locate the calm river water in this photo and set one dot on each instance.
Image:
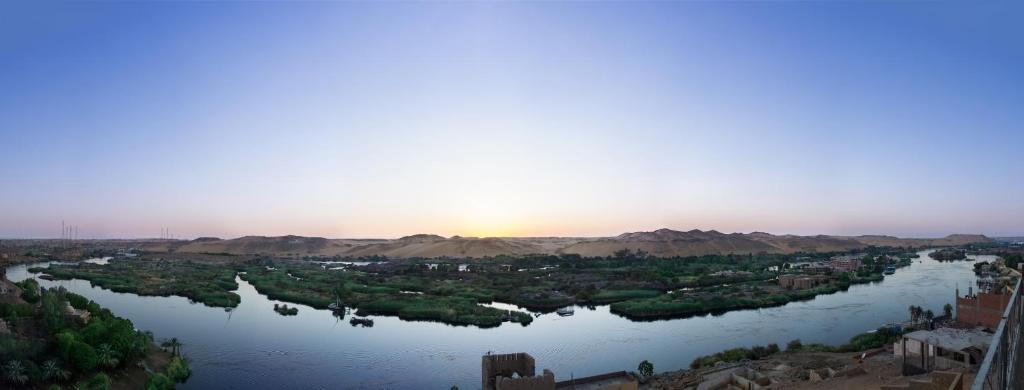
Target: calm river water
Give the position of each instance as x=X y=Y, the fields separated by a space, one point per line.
x=252 y=347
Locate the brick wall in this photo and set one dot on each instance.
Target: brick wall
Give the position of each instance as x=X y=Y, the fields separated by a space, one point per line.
x=982 y=309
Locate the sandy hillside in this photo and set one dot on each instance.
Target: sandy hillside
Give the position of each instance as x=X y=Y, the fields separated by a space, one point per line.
x=662 y=242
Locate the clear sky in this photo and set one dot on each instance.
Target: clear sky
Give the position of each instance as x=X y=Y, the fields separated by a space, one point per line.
x=388 y=119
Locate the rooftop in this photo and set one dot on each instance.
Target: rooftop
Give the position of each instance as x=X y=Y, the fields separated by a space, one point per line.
x=596 y=382
x=953 y=339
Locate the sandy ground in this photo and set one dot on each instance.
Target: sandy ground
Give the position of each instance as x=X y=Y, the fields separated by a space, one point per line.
x=791 y=371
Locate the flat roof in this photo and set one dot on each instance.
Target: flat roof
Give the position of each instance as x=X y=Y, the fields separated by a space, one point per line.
x=952 y=339
x=595 y=382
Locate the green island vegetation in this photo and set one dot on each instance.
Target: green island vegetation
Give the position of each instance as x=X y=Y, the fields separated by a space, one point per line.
x=55 y=339
x=460 y=291
x=948 y=254
x=364 y=322
x=858 y=343
x=208 y=284
x=285 y=310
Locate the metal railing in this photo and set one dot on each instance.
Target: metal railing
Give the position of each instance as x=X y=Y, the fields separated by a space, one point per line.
x=1003 y=367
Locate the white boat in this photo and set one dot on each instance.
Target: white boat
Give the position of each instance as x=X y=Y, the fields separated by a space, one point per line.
x=566 y=311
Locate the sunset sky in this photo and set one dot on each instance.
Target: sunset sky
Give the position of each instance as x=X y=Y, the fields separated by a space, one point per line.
x=511 y=119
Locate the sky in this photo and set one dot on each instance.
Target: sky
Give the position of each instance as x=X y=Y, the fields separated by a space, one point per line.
x=510 y=119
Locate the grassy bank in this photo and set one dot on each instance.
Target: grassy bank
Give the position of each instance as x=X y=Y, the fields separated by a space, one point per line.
x=858 y=343
x=745 y=296
x=210 y=285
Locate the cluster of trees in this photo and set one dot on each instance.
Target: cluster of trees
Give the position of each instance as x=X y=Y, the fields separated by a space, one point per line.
x=57 y=349
x=917 y=314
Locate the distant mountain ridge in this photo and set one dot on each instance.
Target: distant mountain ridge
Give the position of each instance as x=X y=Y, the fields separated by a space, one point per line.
x=661 y=243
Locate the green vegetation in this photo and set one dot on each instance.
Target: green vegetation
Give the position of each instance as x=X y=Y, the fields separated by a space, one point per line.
x=1011 y=260
x=858 y=343
x=450 y=291
x=66 y=338
x=210 y=285
x=748 y=295
x=645 y=368
x=444 y=302
x=285 y=310
x=948 y=254
x=735 y=355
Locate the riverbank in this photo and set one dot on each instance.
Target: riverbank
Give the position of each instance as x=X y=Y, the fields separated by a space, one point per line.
x=253 y=347
x=457 y=293
x=49 y=337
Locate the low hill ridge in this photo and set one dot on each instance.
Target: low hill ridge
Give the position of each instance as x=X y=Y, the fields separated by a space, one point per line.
x=661 y=242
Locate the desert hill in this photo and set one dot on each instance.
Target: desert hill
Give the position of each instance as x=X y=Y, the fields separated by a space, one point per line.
x=661 y=242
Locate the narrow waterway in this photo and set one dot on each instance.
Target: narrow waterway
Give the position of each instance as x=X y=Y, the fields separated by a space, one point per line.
x=255 y=348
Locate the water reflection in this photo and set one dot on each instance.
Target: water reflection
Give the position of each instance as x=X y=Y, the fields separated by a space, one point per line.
x=254 y=347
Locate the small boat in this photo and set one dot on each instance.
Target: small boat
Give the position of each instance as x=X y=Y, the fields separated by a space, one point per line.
x=566 y=311
x=336 y=305
x=890 y=270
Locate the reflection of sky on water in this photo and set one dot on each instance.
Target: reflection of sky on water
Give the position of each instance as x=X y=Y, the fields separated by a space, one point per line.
x=254 y=347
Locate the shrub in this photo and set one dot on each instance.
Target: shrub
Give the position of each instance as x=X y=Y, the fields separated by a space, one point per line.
x=82 y=356
x=98 y=382
x=177 y=370
x=794 y=345
x=158 y=382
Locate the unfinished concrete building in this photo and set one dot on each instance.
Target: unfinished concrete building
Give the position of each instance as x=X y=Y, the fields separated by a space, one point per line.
x=941 y=349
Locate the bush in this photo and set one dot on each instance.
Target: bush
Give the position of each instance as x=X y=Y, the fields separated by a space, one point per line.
x=98 y=382
x=30 y=290
x=82 y=356
x=177 y=370
x=794 y=345
x=158 y=382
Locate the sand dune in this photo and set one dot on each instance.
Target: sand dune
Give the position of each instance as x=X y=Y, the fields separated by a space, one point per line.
x=662 y=243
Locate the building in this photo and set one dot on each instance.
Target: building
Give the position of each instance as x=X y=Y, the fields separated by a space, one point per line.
x=517 y=371
x=814 y=267
x=848 y=263
x=801 y=282
x=81 y=316
x=981 y=309
x=941 y=349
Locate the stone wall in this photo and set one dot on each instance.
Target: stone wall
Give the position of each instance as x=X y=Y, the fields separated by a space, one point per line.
x=545 y=381
x=506 y=365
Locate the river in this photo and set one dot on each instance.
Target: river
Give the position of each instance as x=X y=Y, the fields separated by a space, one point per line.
x=253 y=347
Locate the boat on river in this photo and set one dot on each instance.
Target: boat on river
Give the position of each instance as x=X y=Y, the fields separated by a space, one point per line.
x=566 y=311
x=890 y=270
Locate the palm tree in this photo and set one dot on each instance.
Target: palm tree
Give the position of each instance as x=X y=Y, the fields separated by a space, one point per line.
x=15 y=372
x=948 y=310
x=51 y=370
x=107 y=356
x=173 y=344
x=646 y=368
x=928 y=315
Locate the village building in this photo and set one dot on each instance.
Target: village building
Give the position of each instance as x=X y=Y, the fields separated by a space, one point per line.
x=517 y=371
x=941 y=349
x=847 y=263
x=80 y=316
x=801 y=282
x=981 y=309
x=812 y=267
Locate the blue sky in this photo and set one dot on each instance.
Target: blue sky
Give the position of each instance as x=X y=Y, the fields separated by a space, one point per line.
x=387 y=119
